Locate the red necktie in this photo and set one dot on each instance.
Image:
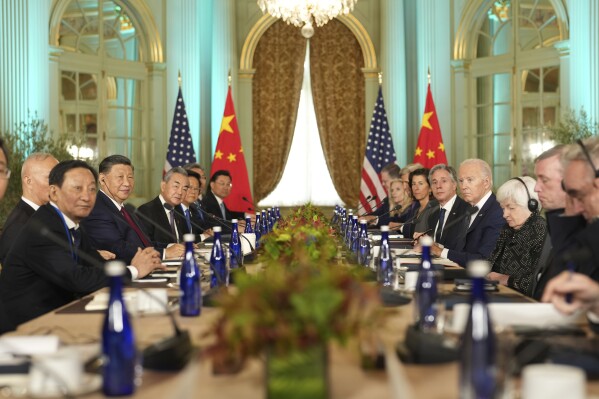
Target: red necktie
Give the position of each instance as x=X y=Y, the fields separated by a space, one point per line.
x=135 y=227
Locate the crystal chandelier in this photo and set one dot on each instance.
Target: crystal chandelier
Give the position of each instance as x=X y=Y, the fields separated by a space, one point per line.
x=302 y=13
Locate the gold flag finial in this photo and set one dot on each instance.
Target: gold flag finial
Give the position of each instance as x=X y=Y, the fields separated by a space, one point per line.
x=179 y=78
x=380 y=78
x=429 y=75
x=229 y=79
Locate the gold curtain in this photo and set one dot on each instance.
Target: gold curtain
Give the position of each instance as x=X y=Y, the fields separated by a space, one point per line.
x=277 y=83
x=336 y=64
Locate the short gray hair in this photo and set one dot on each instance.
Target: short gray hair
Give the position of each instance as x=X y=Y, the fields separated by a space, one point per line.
x=557 y=150
x=483 y=166
x=574 y=152
x=34 y=157
x=177 y=169
x=441 y=166
x=519 y=193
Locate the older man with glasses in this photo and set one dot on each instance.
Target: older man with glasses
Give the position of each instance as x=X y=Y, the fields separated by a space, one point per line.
x=581 y=183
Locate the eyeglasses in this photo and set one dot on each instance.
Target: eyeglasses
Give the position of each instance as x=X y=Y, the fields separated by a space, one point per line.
x=224 y=184
x=5 y=173
x=588 y=157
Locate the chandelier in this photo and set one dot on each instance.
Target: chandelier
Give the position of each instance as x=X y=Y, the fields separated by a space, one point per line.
x=302 y=13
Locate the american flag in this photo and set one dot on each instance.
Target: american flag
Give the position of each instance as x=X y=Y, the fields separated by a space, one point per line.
x=379 y=152
x=180 y=147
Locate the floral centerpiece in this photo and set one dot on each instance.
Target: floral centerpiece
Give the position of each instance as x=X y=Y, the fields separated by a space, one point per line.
x=302 y=237
x=291 y=310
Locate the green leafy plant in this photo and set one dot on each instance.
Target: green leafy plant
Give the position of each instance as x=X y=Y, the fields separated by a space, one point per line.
x=302 y=237
x=573 y=126
x=303 y=298
x=28 y=137
x=288 y=309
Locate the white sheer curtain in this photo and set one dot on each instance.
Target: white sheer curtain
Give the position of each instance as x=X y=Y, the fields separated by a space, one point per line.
x=306 y=177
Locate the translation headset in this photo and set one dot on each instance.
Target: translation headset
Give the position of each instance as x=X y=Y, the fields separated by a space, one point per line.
x=533 y=204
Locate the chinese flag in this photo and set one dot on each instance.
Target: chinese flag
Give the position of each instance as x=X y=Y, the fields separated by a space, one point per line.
x=430 y=149
x=229 y=156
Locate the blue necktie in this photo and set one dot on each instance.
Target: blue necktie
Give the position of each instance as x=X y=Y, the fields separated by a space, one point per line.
x=440 y=225
x=188 y=220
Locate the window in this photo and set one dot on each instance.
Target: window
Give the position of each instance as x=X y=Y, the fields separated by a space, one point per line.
x=103 y=80
x=306 y=176
x=516 y=80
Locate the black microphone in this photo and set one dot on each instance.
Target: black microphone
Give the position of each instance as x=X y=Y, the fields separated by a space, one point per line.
x=249 y=202
x=172 y=353
x=469 y=212
x=369 y=199
x=396 y=208
x=227 y=224
x=154 y=223
x=413 y=218
x=373 y=210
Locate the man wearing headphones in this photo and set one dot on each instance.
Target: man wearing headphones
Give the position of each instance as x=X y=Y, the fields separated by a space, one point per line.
x=519 y=246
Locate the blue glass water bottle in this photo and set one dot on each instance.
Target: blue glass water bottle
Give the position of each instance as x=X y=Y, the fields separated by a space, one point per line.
x=258 y=229
x=385 y=264
x=265 y=229
x=335 y=215
x=342 y=224
x=234 y=246
x=364 y=244
x=426 y=288
x=118 y=343
x=248 y=225
x=355 y=232
x=348 y=227
x=218 y=262
x=478 y=345
x=190 y=303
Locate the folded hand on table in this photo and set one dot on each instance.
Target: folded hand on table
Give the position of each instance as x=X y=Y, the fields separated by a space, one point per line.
x=146 y=261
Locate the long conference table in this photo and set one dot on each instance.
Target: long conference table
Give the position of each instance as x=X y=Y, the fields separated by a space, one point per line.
x=76 y=326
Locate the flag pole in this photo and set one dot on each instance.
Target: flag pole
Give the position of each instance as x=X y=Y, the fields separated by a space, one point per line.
x=229 y=79
x=429 y=75
x=179 y=78
x=380 y=78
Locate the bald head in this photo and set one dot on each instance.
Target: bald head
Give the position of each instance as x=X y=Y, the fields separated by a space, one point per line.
x=34 y=177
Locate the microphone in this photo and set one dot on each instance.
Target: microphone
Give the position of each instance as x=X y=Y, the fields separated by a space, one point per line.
x=413 y=218
x=396 y=208
x=171 y=353
x=373 y=210
x=249 y=202
x=369 y=199
x=227 y=224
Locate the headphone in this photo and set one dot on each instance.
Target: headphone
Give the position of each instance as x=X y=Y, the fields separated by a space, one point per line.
x=533 y=204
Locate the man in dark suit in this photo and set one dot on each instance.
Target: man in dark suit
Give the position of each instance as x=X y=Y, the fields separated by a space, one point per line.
x=476 y=182
x=5 y=323
x=213 y=201
x=34 y=183
x=46 y=267
x=446 y=232
x=110 y=225
x=196 y=220
x=163 y=222
x=562 y=224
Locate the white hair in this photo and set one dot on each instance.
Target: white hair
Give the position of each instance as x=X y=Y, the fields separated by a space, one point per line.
x=514 y=190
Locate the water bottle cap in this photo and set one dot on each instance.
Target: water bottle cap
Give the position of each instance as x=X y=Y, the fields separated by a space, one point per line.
x=478 y=268
x=384 y=228
x=189 y=237
x=217 y=229
x=426 y=241
x=114 y=268
x=233 y=220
